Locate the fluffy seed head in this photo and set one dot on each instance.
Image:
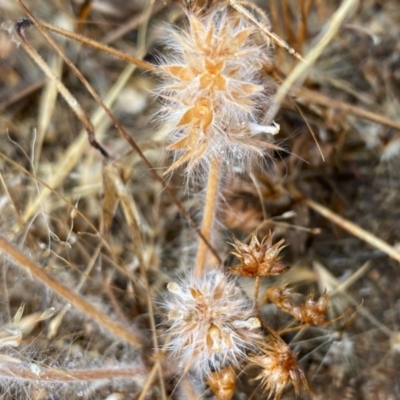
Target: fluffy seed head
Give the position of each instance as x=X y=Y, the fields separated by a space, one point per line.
x=212 y=324
x=213 y=91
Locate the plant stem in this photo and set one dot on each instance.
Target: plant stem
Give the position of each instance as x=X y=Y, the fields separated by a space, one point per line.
x=209 y=214
x=66 y=293
x=256 y=289
x=23 y=373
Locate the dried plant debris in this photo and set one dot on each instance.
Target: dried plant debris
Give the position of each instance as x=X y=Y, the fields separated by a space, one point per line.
x=184 y=214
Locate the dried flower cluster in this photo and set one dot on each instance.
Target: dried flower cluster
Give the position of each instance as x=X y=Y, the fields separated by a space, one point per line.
x=279 y=368
x=258 y=259
x=312 y=312
x=213 y=92
x=212 y=323
x=213 y=329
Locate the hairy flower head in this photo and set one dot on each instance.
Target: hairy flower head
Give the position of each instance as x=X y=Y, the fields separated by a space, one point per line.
x=212 y=324
x=213 y=91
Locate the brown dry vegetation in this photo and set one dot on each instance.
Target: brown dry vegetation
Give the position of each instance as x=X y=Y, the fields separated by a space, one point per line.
x=93 y=235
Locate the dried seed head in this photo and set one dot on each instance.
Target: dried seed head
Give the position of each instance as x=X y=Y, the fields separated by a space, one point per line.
x=212 y=324
x=258 y=259
x=312 y=312
x=279 y=368
x=213 y=92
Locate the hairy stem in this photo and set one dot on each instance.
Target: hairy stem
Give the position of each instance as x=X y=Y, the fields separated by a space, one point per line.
x=209 y=214
x=23 y=373
x=66 y=293
x=256 y=289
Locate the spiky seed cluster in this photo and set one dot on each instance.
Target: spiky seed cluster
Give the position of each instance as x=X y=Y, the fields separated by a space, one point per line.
x=312 y=312
x=212 y=324
x=279 y=368
x=258 y=259
x=213 y=92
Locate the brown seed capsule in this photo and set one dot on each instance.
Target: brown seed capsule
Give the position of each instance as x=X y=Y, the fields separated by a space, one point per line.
x=258 y=259
x=312 y=312
x=279 y=368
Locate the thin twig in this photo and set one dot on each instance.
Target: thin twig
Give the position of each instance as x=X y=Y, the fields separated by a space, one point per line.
x=299 y=72
x=274 y=37
x=319 y=98
x=354 y=229
x=25 y=91
x=101 y=47
x=346 y=224
x=20 y=27
x=149 y=381
x=77 y=301
x=256 y=288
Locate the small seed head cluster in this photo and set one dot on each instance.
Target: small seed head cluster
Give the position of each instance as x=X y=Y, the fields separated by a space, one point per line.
x=213 y=92
x=279 y=368
x=312 y=312
x=212 y=323
x=258 y=259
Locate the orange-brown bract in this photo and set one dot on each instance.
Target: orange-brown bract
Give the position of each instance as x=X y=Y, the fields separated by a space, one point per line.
x=223 y=383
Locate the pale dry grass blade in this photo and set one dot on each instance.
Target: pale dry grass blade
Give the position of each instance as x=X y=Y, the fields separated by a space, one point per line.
x=77 y=301
x=46 y=106
x=100 y=46
x=271 y=35
x=20 y=28
x=354 y=229
x=312 y=96
x=132 y=218
x=299 y=72
x=73 y=154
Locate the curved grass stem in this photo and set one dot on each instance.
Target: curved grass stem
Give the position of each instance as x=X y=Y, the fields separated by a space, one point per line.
x=53 y=375
x=74 y=299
